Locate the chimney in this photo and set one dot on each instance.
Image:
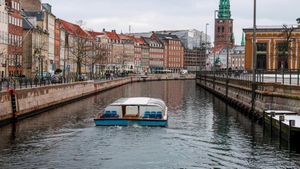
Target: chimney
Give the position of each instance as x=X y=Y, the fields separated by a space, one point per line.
x=103 y=30
x=298 y=21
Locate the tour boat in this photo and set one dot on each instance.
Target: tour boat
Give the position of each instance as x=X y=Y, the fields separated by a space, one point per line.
x=285 y=122
x=141 y=111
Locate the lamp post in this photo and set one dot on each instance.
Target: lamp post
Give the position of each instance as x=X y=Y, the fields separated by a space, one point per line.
x=206 y=35
x=254 y=48
x=214 y=60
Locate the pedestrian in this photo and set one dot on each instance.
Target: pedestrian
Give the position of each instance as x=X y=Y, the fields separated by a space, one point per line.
x=111 y=76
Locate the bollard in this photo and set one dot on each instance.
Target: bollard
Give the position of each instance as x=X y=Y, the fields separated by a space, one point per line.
x=281 y=119
x=271 y=122
x=291 y=124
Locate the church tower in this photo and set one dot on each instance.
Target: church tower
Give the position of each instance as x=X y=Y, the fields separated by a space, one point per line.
x=224 y=26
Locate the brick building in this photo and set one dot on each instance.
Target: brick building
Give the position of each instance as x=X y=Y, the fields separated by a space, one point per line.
x=194 y=59
x=173 y=49
x=15 y=38
x=138 y=42
x=224 y=26
x=156 y=54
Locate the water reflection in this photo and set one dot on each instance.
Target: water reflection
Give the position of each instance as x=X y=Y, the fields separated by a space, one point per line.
x=203 y=132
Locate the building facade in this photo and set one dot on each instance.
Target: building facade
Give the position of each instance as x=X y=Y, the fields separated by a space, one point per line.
x=190 y=38
x=275 y=48
x=138 y=42
x=174 y=51
x=194 y=59
x=3 y=39
x=15 y=38
x=50 y=27
x=156 y=55
x=35 y=46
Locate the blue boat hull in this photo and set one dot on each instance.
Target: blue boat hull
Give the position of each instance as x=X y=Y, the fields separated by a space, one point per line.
x=126 y=122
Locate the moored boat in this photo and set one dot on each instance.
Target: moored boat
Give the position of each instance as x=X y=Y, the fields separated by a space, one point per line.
x=141 y=111
x=287 y=123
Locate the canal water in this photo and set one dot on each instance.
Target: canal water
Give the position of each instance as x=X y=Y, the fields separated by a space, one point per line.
x=203 y=132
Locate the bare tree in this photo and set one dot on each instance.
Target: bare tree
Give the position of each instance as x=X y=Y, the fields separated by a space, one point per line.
x=98 y=54
x=80 y=43
x=284 y=48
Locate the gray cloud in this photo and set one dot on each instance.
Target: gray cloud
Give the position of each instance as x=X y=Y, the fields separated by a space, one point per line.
x=147 y=15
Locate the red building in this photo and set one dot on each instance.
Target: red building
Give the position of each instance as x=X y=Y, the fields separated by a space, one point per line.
x=156 y=54
x=174 y=51
x=138 y=42
x=224 y=26
x=15 y=38
x=57 y=43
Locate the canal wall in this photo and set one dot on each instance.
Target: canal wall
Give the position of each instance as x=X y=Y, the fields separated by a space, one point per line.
x=36 y=100
x=269 y=96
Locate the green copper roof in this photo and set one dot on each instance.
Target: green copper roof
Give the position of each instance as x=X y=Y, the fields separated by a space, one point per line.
x=243 y=39
x=224 y=10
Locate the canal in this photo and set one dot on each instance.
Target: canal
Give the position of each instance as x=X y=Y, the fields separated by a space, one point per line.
x=203 y=132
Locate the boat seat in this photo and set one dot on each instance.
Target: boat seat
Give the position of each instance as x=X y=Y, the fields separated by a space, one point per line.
x=147 y=114
x=153 y=115
x=114 y=114
x=159 y=115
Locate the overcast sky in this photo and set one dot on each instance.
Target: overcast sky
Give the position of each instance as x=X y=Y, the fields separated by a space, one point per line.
x=148 y=15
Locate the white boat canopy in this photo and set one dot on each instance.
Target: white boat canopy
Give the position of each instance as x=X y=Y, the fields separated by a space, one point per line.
x=139 y=101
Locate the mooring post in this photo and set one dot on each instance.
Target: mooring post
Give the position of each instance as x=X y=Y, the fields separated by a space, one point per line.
x=264 y=122
x=281 y=119
x=291 y=125
x=271 y=122
x=13 y=97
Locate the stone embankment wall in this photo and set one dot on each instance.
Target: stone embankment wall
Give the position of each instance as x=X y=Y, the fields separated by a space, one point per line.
x=269 y=96
x=33 y=100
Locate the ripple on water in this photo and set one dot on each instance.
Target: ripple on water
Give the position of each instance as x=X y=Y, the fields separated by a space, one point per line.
x=202 y=133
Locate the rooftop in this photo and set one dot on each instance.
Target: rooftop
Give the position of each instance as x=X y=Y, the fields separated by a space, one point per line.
x=73 y=29
x=139 y=101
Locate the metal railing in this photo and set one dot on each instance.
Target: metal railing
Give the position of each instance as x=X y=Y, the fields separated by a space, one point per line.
x=24 y=82
x=279 y=76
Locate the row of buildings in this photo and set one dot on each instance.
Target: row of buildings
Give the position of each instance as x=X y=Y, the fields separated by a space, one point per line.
x=33 y=40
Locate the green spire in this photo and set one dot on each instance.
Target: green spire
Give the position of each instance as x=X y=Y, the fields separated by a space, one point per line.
x=224 y=10
x=243 y=39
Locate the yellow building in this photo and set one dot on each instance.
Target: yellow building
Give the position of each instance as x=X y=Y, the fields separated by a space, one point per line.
x=277 y=47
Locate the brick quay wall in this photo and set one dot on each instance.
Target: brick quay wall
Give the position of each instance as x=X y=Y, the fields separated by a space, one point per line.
x=32 y=101
x=269 y=96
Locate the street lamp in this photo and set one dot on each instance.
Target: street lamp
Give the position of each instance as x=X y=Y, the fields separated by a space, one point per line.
x=254 y=59
x=206 y=35
x=214 y=61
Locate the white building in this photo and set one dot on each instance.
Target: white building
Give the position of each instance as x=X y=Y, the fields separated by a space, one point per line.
x=3 y=39
x=236 y=58
x=191 y=38
x=50 y=27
